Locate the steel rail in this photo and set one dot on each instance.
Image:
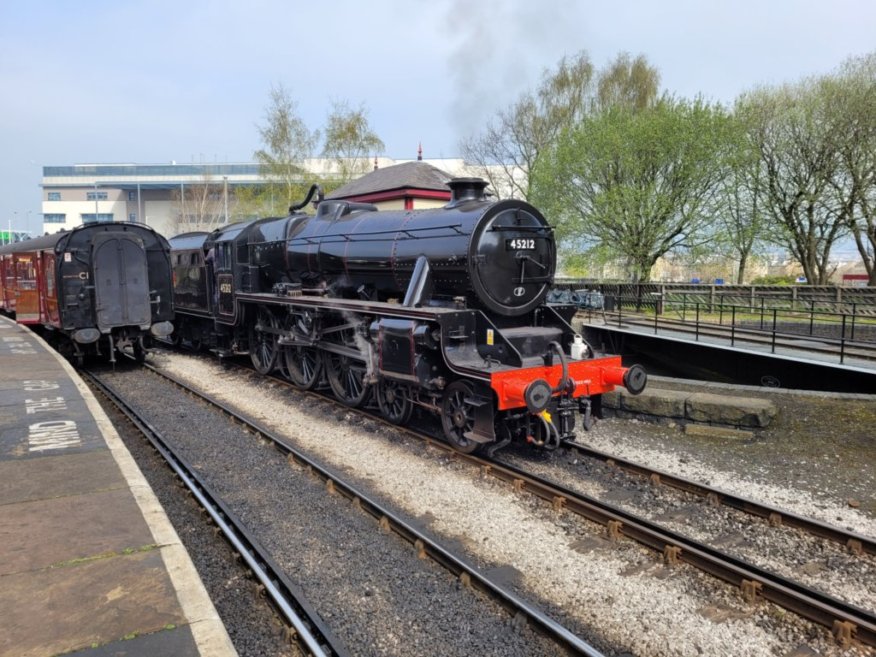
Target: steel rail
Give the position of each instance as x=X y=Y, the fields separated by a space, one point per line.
x=856 y=543
x=469 y=574
x=844 y=620
x=312 y=634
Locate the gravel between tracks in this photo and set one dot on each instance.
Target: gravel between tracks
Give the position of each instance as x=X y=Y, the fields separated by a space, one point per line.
x=815 y=562
x=617 y=595
x=372 y=590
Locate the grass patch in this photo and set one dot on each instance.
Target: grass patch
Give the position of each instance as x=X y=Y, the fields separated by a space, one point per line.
x=105 y=555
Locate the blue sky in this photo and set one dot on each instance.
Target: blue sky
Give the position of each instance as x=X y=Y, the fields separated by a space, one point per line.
x=100 y=81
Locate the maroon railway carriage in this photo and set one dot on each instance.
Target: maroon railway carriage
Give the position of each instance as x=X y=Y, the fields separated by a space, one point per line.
x=107 y=283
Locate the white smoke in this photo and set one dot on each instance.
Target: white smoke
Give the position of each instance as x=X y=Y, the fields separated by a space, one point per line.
x=501 y=48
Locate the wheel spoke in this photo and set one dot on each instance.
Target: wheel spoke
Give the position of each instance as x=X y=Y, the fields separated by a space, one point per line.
x=347 y=379
x=394 y=400
x=263 y=344
x=457 y=417
x=303 y=366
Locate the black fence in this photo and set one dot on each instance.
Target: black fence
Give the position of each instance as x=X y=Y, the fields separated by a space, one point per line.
x=767 y=321
x=859 y=301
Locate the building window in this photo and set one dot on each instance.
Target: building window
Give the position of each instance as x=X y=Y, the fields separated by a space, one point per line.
x=132 y=196
x=132 y=217
x=102 y=218
x=54 y=196
x=54 y=218
x=95 y=196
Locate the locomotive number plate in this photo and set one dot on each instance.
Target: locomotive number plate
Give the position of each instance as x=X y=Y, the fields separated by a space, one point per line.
x=520 y=244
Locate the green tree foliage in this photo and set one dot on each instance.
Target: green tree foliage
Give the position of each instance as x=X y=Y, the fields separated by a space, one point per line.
x=742 y=221
x=349 y=140
x=509 y=148
x=511 y=144
x=851 y=95
x=640 y=183
x=264 y=200
x=288 y=143
x=629 y=83
x=791 y=129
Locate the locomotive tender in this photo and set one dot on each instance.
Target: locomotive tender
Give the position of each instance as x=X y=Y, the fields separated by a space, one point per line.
x=105 y=280
x=440 y=309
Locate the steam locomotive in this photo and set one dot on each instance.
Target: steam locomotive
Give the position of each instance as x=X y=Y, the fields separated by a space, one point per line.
x=106 y=283
x=440 y=309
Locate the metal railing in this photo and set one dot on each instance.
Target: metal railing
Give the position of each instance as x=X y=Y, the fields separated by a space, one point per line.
x=765 y=322
x=793 y=297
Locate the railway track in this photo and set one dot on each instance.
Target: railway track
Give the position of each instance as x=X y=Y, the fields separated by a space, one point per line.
x=845 y=621
x=301 y=617
x=854 y=542
x=304 y=624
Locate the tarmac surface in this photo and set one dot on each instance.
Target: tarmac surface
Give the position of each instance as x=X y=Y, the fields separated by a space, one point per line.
x=89 y=563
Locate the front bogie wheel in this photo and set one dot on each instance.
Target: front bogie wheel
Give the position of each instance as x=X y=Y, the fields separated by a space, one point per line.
x=457 y=417
x=394 y=400
x=139 y=351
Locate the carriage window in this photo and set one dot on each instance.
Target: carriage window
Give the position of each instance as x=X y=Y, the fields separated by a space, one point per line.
x=223 y=256
x=26 y=274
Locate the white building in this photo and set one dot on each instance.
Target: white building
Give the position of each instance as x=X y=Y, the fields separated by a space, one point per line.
x=150 y=193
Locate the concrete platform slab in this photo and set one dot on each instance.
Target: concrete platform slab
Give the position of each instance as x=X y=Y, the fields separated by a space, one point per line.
x=23 y=480
x=88 y=559
x=176 y=642
x=92 y=603
x=47 y=386
x=45 y=533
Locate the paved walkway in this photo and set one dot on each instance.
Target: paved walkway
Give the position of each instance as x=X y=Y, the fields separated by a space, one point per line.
x=89 y=563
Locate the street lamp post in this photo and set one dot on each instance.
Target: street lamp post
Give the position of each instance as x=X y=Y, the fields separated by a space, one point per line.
x=96 y=215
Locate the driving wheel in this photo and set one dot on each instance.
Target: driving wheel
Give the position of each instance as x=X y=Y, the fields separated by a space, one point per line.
x=346 y=376
x=263 y=337
x=303 y=366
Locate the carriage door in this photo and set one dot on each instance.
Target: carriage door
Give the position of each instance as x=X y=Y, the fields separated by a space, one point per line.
x=27 y=303
x=224 y=279
x=121 y=281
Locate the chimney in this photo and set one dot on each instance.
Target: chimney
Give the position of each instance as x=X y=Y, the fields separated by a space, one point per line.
x=466 y=189
x=375 y=163
x=420 y=153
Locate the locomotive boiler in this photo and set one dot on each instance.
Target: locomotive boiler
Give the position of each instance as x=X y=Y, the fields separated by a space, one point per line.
x=499 y=256
x=440 y=310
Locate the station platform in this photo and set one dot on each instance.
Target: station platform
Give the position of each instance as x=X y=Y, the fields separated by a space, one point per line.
x=89 y=563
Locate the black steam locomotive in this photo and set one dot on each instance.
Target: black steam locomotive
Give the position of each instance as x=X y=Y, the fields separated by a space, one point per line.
x=99 y=284
x=439 y=309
